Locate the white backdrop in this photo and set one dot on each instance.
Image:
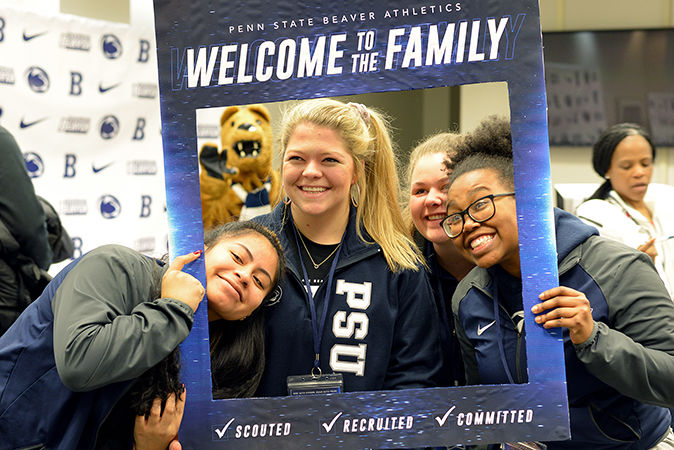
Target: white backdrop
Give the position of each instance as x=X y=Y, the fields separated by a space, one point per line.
x=81 y=98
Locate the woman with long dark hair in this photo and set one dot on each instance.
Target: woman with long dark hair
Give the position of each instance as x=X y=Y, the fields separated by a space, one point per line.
x=109 y=325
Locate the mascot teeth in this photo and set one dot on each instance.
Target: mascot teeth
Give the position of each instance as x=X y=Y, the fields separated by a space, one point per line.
x=242 y=154
x=239 y=147
x=255 y=153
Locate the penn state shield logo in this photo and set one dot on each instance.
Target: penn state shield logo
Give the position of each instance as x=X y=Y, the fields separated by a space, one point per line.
x=37 y=79
x=109 y=127
x=109 y=206
x=34 y=164
x=111 y=46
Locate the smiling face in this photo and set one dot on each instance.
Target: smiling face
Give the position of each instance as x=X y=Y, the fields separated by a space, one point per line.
x=240 y=273
x=318 y=171
x=494 y=241
x=428 y=196
x=631 y=168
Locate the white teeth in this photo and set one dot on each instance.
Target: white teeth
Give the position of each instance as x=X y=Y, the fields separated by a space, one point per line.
x=481 y=240
x=239 y=146
x=242 y=154
x=313 y=189
x=436 y=217
x=255 y=153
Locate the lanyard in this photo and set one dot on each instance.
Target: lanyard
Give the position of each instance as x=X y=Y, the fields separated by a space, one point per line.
x=317 y=328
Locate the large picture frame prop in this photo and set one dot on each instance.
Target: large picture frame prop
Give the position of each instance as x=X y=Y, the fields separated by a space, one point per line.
x=213 y=53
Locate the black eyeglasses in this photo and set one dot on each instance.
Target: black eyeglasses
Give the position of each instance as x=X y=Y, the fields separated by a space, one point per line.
x=480 y=211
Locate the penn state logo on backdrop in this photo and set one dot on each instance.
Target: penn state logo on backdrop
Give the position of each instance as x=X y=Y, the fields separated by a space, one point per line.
x=38 y=80
x=109 y=127
x=109 y=206
x=34 y=164
x=111 y=45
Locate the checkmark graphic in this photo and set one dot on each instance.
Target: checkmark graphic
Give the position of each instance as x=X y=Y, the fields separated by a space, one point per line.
x=441 y=420
x=222 y=432
x=328 y=426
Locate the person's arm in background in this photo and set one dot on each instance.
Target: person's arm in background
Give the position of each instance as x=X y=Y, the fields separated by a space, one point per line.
x=20 y=210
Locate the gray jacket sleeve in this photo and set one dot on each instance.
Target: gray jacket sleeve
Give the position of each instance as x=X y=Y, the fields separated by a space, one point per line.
x=634 y=353
x=109 y=325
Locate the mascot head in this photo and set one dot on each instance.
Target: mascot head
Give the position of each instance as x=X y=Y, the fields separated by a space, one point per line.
x=246 y=136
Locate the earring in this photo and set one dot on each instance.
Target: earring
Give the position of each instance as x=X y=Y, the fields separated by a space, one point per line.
x=285 y=199
x=355 y=194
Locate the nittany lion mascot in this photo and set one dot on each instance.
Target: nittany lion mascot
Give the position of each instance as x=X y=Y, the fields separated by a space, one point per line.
x=238 y=182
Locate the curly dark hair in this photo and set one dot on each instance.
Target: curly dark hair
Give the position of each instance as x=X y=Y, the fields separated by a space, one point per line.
x=489 y=146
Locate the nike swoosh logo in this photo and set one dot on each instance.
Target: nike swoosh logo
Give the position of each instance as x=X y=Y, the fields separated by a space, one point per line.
x=103 y=90
x=222 y=432
x=23 y=124
x=28 y=37
x=481 y=330
x=98 y=169
x=328 y=426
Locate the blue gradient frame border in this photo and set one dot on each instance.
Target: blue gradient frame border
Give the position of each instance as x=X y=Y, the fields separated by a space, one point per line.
x=383 y=419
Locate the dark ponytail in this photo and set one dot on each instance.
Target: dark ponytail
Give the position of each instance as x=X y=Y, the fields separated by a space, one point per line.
x=603 y=150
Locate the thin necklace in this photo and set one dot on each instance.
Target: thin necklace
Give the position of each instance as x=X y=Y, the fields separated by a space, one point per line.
x=316 y=266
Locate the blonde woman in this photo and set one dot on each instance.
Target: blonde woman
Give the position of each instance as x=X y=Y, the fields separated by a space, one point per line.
x=356 y=304
x=427 y=181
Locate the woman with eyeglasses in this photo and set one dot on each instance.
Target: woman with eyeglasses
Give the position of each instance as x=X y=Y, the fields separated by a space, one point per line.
x=616 y=315
x=627 y=207
x=427 y=179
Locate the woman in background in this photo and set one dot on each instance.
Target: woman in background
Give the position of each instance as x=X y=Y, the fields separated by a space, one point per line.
x=107 y=318
x=627 y=207
x=427 y=179
x=616 y=317
x=355 y=303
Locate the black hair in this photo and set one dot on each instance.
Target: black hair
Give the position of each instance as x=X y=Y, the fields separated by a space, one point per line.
x=603 y=150
x=237 y=347
x=489 y=146
x=161 y=380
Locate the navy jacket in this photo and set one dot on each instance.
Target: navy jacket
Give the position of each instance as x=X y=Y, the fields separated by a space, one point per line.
x=381 y=330
x=75 y=350
x=444 y=284
x=617 y=377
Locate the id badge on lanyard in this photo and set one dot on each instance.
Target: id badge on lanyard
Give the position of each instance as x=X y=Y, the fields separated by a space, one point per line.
x=330 y=383
x=316 y=382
